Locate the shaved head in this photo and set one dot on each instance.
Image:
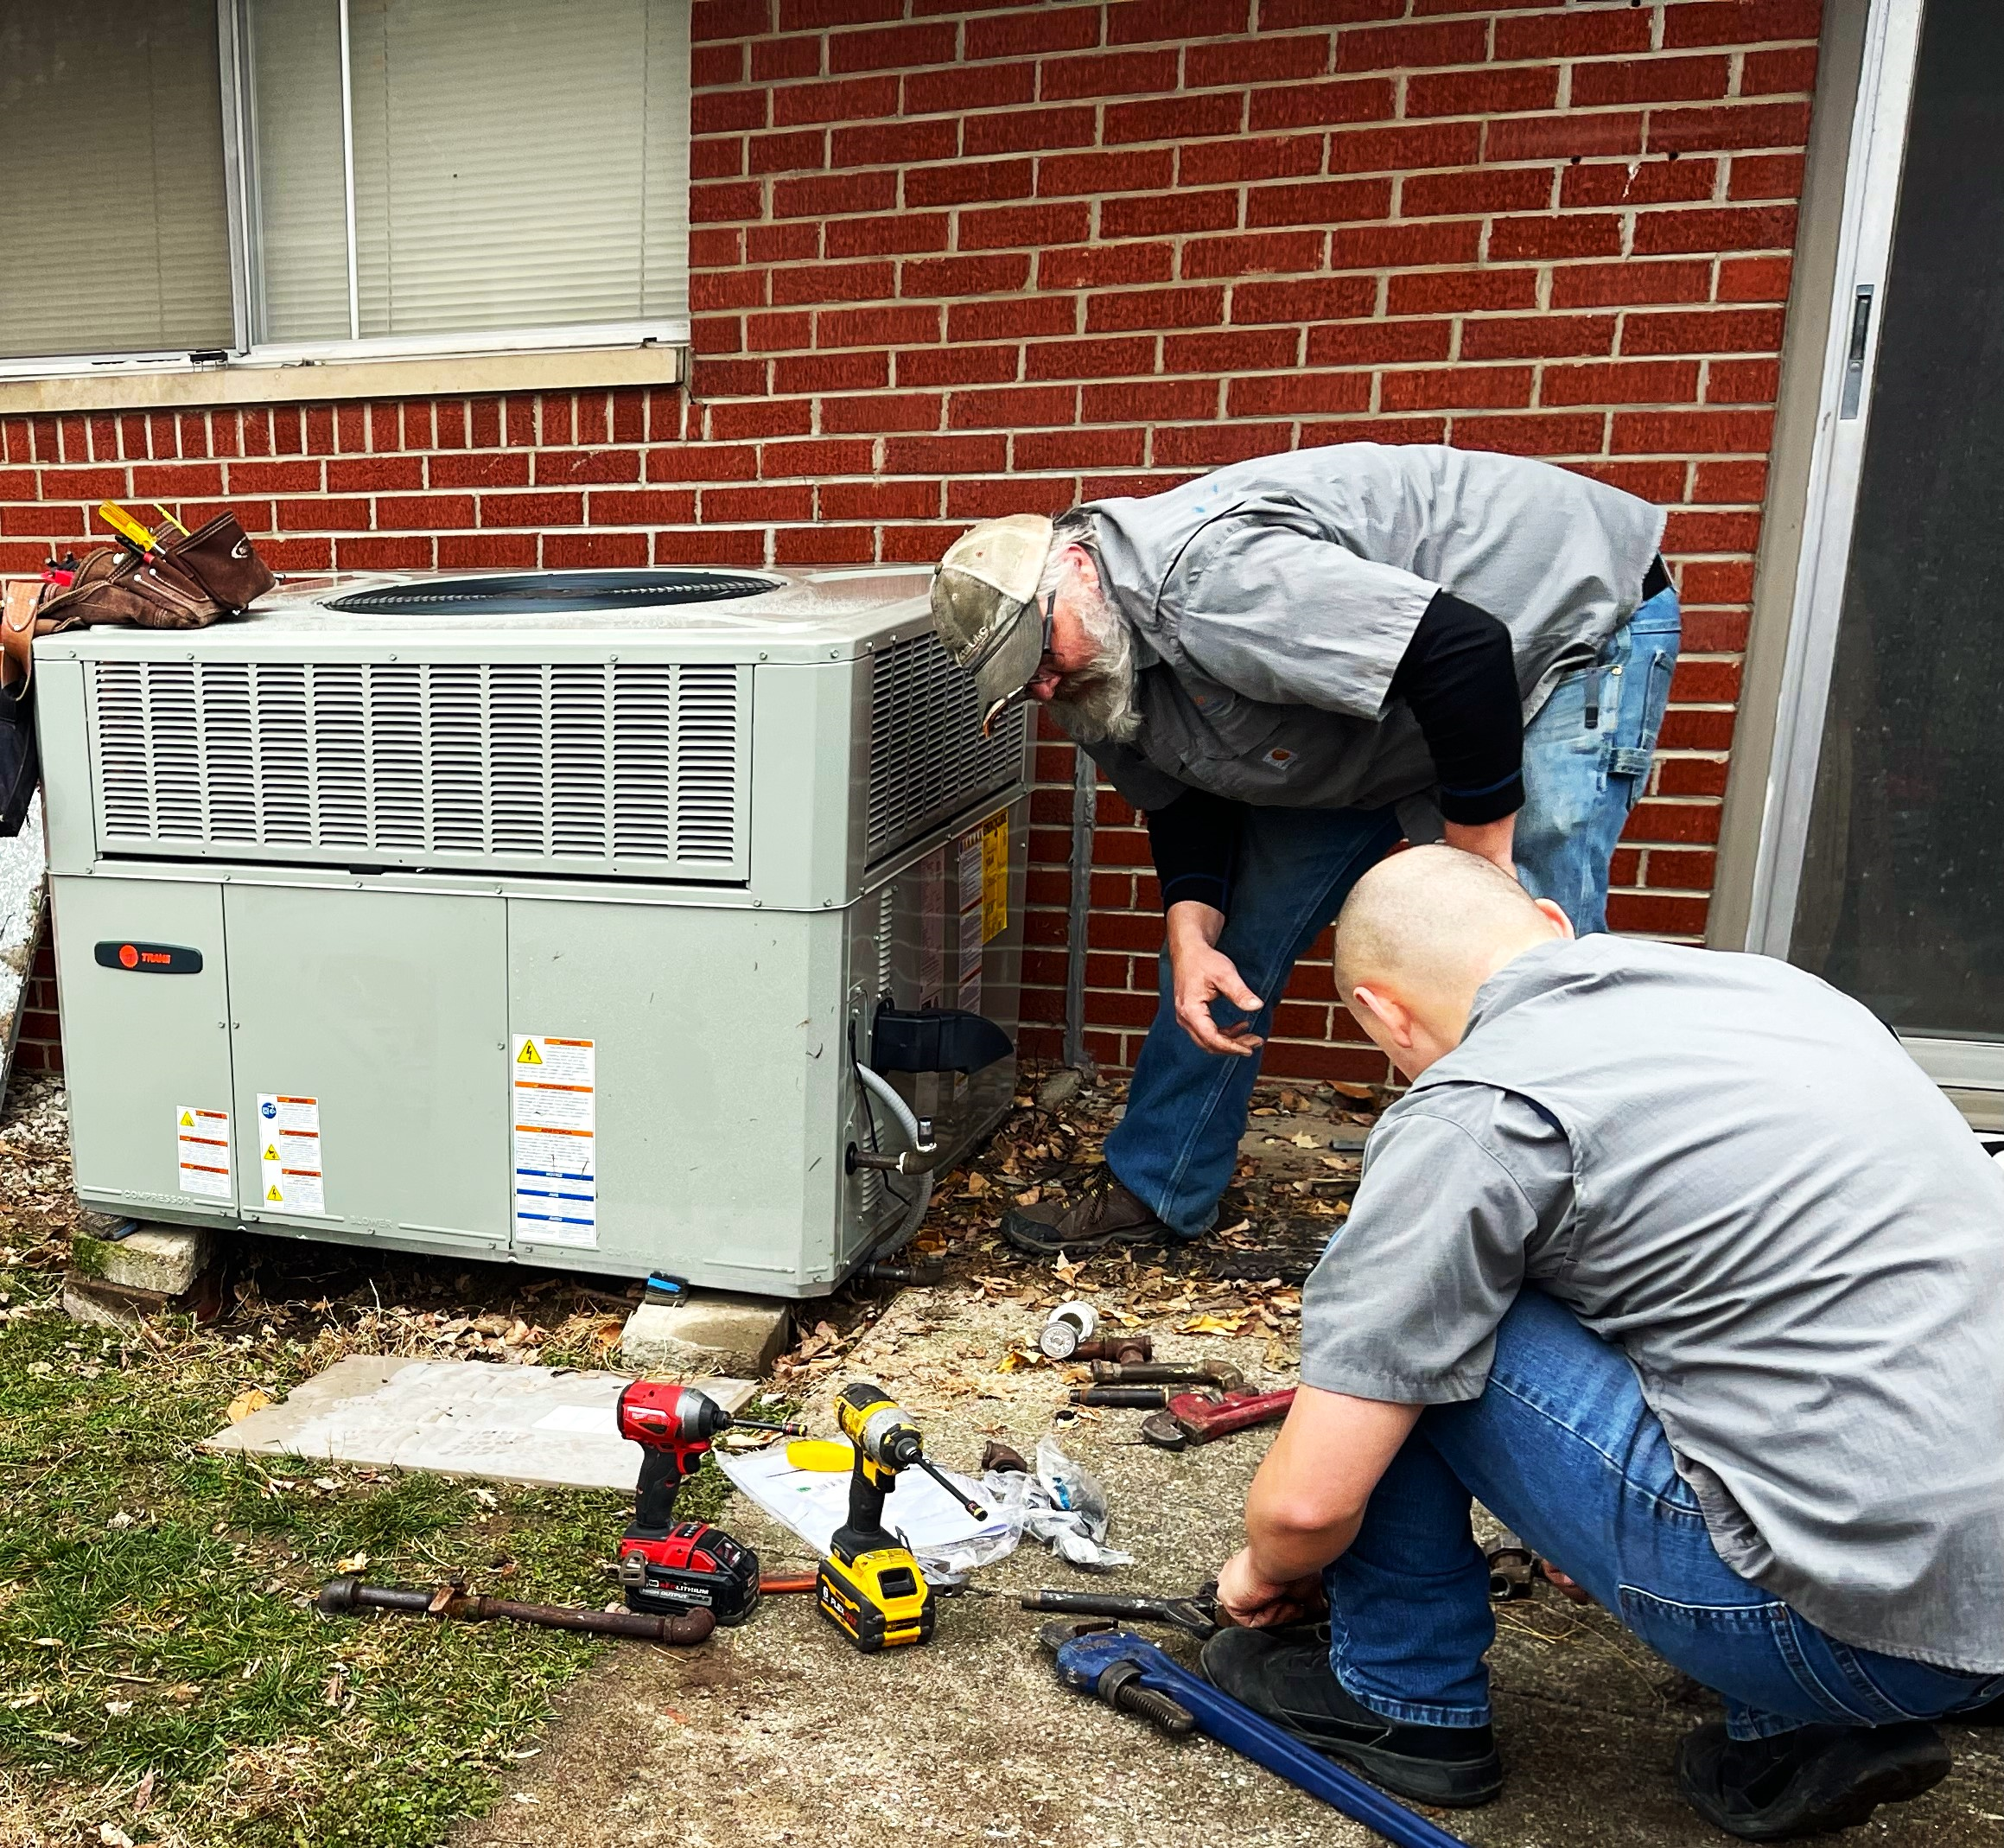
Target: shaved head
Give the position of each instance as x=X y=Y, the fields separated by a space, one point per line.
x=1420 y=932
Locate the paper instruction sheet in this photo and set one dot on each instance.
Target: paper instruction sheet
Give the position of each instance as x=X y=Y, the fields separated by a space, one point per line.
x=291 y=1177
x=202 y=1141
x=552 y=1096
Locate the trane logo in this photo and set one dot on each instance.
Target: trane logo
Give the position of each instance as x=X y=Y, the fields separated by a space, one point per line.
x=150 y=958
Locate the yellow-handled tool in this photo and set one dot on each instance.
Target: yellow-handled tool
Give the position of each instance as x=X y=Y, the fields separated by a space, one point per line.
x=127 y=528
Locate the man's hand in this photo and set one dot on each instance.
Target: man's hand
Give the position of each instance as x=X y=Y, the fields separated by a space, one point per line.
x=1199 y=973
x=1491 y=841
x=1255 y=1604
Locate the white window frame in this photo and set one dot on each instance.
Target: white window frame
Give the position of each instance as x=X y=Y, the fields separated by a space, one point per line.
x=245 y=354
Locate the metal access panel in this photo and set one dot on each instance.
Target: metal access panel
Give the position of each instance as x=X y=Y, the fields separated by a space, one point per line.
x=385 y=1012
x=144 y=1045
x=720 y=1086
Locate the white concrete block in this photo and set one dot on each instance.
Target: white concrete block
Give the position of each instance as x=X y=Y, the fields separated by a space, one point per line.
x=167 y=1259
x=713 y=1332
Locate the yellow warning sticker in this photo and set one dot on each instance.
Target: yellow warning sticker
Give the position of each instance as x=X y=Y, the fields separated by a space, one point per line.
x=271 y=1151
x=188 y=1119
x=201 y=1144
x=528 y=1055
x=995 y=876
x=274 y=1193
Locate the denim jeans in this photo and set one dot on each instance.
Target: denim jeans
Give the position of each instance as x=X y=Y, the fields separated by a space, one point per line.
x=1561 y=1448
x=1175 y=1148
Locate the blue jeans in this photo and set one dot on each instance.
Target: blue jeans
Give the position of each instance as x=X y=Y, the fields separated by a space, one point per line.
x=1561 y=1448
x=1175 y=1148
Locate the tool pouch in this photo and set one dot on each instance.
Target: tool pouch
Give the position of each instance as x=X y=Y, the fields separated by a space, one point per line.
x=220 y=558
x=114 y=586
x=20 y=759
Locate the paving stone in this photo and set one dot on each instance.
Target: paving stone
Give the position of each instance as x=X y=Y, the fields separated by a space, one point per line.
x=713 y=1332
x=167 y=1259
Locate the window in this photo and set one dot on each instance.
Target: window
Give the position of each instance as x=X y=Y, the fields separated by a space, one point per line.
x=269 y=179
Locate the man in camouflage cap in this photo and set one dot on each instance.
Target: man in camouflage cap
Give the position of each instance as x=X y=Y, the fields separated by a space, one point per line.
x=1289 y=665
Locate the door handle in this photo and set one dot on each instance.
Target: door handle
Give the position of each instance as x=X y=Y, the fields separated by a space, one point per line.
x=1854 y=357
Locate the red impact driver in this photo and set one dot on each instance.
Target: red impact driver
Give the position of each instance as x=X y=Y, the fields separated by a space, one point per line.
x=669 y=1566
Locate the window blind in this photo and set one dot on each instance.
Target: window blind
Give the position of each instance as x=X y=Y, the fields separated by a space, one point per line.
x=111 y=159
x=517 y=163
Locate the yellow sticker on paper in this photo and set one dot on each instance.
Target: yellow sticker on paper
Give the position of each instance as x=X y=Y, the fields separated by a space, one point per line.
x=995 y=876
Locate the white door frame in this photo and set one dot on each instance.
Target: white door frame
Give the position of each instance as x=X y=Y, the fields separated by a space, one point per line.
x=1872 y=172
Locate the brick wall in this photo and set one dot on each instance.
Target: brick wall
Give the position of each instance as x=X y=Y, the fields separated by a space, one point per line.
x=955 y=260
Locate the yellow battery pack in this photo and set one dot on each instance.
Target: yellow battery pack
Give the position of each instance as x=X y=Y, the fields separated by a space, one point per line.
x=878 y=1600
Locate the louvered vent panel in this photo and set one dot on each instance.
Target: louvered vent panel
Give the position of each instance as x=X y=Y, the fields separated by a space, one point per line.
x=586 y=766
x=928 y=760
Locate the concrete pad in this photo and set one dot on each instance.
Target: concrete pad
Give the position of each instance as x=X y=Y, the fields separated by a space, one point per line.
x=167 y=1259
x=713 y=1332
x=550 y=1428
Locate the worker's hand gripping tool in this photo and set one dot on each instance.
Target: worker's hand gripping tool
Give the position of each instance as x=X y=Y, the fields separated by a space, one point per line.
x=870 y=1586
x=668 y=1565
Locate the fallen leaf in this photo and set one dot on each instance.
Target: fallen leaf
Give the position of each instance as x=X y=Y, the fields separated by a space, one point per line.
x=1029 y=1196
x=354 y=1563
x=113 y=1836
x=118 y=1709
x=142 y=1795
x=1365 y=1092
x=1214 y=1324
x=1301 y=1139
x=244 y=1404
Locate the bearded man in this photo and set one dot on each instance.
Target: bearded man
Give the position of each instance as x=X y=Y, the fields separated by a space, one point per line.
x=1289 y=665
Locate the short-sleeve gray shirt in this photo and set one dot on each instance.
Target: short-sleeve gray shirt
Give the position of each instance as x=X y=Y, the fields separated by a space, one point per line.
x=1737 y=1175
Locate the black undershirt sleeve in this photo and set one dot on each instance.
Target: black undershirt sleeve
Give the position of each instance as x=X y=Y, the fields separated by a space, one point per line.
x=1195 y=843
x=1459 y=675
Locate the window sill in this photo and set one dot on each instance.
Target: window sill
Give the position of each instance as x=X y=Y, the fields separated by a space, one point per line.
x=430 y=375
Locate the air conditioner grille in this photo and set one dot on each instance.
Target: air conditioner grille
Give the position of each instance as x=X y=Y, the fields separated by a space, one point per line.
x=928 y=760
x=586 y=766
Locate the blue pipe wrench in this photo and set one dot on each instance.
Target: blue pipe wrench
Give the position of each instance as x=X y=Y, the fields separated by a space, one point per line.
x=1130 y=1673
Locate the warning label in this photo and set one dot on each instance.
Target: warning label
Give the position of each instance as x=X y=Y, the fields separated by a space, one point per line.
x=291 y=1178
x=554 y=1125
x=995 y=876
x=202 y=1141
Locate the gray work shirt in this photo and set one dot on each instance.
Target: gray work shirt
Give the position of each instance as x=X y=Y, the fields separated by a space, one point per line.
x=1738 y=1176
x=1272 y=600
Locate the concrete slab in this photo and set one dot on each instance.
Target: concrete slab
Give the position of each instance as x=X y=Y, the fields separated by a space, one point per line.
x=713 y=1332
x=167 y=1259
x=551 y=1428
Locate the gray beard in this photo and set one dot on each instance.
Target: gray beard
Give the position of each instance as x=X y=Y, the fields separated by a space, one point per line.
x=1096 y=705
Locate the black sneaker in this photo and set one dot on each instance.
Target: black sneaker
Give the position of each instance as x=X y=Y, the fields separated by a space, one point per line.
x=1285 y=1678
x=1808 y=1781
x=1104 y=1213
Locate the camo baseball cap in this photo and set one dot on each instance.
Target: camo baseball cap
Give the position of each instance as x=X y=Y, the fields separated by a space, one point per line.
x=984 y=605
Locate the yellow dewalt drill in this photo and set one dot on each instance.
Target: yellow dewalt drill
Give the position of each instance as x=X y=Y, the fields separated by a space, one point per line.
x=870 y=1587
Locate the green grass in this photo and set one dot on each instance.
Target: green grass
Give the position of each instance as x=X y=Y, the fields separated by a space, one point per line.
x=155 y=1615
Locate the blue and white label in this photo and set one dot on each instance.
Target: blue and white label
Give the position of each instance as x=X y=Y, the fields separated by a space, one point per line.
x=552 y=1094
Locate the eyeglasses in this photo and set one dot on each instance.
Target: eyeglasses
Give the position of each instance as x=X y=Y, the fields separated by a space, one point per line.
x=1022 y=693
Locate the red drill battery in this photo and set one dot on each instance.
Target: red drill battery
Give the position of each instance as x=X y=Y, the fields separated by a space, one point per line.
x=693 y=1566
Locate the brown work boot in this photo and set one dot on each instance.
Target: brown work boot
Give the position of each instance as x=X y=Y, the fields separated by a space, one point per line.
x=1104 y=1213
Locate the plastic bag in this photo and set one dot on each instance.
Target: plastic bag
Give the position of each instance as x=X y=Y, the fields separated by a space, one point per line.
x=1062 y=1505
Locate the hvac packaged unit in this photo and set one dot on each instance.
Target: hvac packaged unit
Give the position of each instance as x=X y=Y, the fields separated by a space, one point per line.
x=560 y=917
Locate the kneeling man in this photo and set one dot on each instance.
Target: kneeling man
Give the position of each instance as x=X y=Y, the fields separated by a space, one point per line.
x=1677 y=1261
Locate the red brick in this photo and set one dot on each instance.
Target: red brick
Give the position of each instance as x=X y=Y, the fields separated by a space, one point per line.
x=1488 y=93
x=722 y=202
x=758 y=503
x=825 y=545
x=776 y=60
x=1175 y=118
x=953 y=275
x=1576 y=33
x=978 y=500
x=1691 y=776
x=777 y=333
x=1100 y=266
x=1778 y=73
x=1319 y=202
x=895 y=48
x=1720 y=228
x=1024 y=33
x=1281 y=252
x=720 y=111
x=1439 y=292
x=1461 y=195
x=1557 y=234
x=718 y=158
x=1251 y=60
x=880 y=411
x=1716 y=330
x=715 y=247
x=1146 y=22
x=893 y=143
x=1243 y=349
x=1154 y=400
x=1139 y=171
x=1020 y=318
x=1696 y=432
x=1164 y=213
x=1742 y=381
x=1028 y=131
x=367 y=475
x=1015 y=407
x=413 y=512
x=1013 y=227
x=1754 y=279
x=1147 y=309
x=1319 y=298
x=1652 y=183
x=1405 y=148
x=816 y=456
x=1315 y=105
x=729 y=19
x=1649 y=80
x=1765 y=176
x=1619 y=284
x=1248 y=157
x=901 y=324
x=1537 y=336
x=1740 y=21
x=739 y=422
x=855 y=99
x=1107 y=74
x=531 y=510
x=1644 y=382
x=1078 y=449
x=855 y=370
x=1090 y=358
x=325 y=515
x=275 y=478
x=717 y=334
x=1381 y=247
x=1729 y=126
x=966 y=88
x=959 y=365
x=1376 y=343
x=895 y=233
x=1713 y=581
x=970 y=182
x=169 y=480
x=1412 y=47
x=1546 y=137
x=825 y=195
x=1211 y=445
x=1299 y=394
x=1534 y=434
x=411 y=552
x=1691 y=532
x=702 y=461
x=1457 y=388
x=713 y=546
x=831 y=282
x=712 y=291
x=1694 y=822
x=475 y=471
